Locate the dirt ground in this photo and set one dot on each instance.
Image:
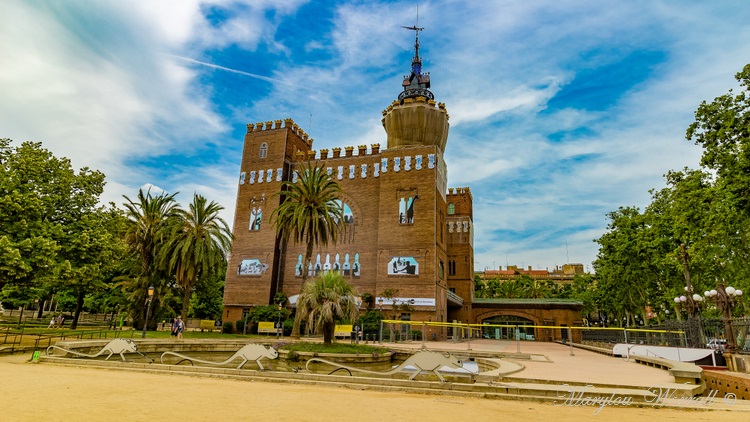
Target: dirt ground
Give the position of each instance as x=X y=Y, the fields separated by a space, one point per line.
x=46 y=392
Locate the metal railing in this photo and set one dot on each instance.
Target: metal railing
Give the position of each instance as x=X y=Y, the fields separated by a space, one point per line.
x=14 y=339
x=44 y=341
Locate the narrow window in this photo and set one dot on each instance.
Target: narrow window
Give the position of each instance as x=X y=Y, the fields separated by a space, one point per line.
x=263 y=150
x=451 y=209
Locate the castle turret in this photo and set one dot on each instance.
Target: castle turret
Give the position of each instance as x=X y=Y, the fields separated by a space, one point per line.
x=415 y=118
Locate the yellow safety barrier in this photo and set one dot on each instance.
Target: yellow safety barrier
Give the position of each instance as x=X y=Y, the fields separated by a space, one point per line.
x=554 y=327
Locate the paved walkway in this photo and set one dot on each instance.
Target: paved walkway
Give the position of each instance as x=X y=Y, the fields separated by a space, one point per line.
x=582 y=367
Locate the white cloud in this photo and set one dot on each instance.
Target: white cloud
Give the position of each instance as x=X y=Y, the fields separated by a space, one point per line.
x=107 y=85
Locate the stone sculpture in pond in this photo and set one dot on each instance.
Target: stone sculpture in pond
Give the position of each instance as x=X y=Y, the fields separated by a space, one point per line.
x=423 y=361
x=118 y=346
x=249 y=352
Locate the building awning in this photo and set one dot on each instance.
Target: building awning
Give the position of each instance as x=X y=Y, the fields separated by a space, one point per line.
x=454 y=299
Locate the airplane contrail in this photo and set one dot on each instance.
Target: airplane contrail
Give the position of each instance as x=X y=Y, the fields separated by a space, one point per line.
x=240 y=72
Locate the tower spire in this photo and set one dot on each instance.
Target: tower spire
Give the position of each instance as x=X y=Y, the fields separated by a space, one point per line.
x=416 y=61
x=416 y=84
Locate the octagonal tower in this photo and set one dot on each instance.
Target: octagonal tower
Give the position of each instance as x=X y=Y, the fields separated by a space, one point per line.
x=415 y=118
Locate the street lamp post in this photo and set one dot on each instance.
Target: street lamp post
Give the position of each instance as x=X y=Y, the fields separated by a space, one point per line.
x=148 y=309
x=724 y=297
x=279 y=332
x=380 y=311
x=691 y=303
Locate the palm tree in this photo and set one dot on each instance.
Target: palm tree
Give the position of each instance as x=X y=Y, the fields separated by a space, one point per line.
x=147 y=220
x=197 y=244
x=325 y=300
x=510 y=289
x=534 y=288
x=309 y=214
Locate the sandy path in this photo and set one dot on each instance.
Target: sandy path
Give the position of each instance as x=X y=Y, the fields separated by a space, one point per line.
x=45 y=392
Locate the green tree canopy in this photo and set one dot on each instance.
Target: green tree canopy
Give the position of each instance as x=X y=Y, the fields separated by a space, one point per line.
x=196 y=245
x=53 y=233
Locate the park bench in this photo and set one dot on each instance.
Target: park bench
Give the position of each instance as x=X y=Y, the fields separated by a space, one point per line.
x=266 y=327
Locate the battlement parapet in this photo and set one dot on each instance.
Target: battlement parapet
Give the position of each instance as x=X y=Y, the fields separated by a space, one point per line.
x=459 y=191
x=326 y=154
x=287 y=123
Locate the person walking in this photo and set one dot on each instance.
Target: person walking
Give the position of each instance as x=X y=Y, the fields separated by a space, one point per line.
x=180 y=327
x=52 y=322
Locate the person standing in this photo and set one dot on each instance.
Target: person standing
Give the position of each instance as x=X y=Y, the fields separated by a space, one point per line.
x=180 y=327
x=52 y=322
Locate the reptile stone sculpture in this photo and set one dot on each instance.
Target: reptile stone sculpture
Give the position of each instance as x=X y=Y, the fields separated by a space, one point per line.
x=424 y=361
x=247 y=353
x=118 y=346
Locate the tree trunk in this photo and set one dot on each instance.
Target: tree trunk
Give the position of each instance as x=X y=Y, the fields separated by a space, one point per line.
x=328 y=332
x=20 y=317
x=40 y=311
x=77 y=314
x=185 y=303
x=305 y=265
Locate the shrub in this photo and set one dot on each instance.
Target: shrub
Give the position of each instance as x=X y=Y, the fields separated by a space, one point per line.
x=416 y=335
x=288 y=326
x=292 y=356
x=240 y=326
x=226 y=327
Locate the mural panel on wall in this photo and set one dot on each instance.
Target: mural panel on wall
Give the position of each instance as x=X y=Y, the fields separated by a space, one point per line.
x=256 y=215
x=298 y=267
x=348 y=233
x=406 y=207
x=332 y=263
x=403 y=265
x=251 y=267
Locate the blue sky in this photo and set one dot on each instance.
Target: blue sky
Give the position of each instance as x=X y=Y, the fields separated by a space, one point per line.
x=561 y=111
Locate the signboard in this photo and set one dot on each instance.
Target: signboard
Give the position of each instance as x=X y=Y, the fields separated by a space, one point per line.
x=413 y=301
x=207 y=324
x=343 y=330
x=266 y=328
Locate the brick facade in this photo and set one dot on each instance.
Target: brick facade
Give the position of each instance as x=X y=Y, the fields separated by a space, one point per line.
x=398 y=232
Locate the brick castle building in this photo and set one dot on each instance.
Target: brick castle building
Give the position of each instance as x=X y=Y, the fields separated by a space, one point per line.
x=406 y=231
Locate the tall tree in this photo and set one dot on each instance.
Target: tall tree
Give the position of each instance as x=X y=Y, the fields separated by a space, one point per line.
x=45 y=206
x=197 y=245
x=309 y=213
x=90 y=254
x=722 y=128
x=325 y=300
x=146 y=232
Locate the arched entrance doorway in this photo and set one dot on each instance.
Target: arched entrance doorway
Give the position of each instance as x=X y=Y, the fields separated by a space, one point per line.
x=508 y=327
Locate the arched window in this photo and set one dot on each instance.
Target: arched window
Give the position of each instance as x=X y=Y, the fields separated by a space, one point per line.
x=451 y=209
x=263 y=150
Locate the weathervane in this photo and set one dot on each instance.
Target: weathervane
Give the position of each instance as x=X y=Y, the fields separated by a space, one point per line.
x=416 y=63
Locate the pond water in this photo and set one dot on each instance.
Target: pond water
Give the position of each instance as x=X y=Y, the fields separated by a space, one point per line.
x=283 y=365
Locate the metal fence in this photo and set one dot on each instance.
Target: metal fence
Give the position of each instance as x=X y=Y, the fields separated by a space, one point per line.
x=655 y=336
x=18 y=339
x=692 y=332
